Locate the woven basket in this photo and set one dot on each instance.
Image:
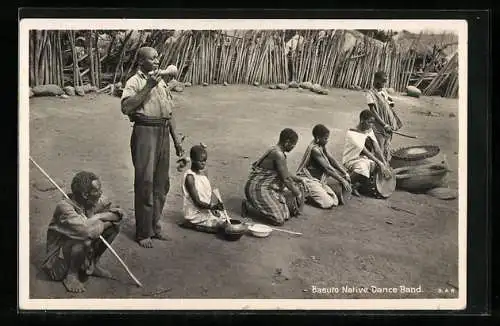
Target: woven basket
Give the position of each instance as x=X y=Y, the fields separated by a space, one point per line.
x=416 y=155
x=419 y=180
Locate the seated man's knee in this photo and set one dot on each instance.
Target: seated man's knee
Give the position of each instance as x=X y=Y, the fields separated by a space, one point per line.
x=78 y=247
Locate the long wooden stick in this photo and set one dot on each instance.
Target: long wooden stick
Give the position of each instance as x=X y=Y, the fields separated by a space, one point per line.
x=122 y=54
x=217 y=194
x=74 y=56
x=286 y=231
x=60 y=58
x=278 y=229
x=136 y=52
x=98 y=60
x=404 y=135
x=92 y=67
x=100 y=237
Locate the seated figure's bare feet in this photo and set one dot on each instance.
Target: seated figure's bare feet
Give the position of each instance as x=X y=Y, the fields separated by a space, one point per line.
x=161 y=236
x=244 y=208
x=356 y=193
x=101 y=272
x=146 y=243
x=73 y=284
x=340 y=197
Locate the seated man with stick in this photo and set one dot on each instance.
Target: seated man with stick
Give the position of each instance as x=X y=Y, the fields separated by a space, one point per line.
x=317 y=166
x=202 y=208
x=73 y=244
x=271 y=189
x=362 y=152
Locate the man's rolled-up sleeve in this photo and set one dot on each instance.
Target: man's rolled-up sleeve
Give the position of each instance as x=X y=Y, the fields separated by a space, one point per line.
x=75 y=225
x=131 y=88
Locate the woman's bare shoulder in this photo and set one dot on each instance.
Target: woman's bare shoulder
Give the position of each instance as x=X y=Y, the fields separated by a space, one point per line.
x=276 y=154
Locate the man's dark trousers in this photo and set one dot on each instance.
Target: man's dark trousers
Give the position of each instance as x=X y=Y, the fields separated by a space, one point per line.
x=150 y=147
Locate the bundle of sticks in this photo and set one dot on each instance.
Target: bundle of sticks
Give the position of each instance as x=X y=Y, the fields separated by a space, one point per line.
x=448 y=74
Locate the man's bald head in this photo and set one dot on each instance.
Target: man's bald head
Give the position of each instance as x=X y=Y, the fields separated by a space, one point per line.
x=145 y=52
x=147 y=58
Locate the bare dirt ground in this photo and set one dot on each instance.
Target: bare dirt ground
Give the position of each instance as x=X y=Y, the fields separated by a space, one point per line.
x=362 y=244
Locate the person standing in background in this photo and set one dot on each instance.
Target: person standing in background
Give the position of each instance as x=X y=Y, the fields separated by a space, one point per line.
x=386 y=120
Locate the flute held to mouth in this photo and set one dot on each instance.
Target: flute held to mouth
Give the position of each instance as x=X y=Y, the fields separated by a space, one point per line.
x=170 y=71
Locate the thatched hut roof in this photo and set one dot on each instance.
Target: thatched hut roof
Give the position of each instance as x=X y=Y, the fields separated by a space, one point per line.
x=425 y=42
x=353 y=36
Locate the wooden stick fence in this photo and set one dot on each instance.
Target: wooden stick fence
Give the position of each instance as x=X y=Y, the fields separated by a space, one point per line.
x=257 y=56
x=46 y=63
x=448 y=74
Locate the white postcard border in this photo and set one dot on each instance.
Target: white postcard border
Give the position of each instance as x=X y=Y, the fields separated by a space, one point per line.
x=25 y=303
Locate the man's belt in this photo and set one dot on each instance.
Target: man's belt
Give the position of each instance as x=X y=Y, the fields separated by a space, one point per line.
x=144 y=120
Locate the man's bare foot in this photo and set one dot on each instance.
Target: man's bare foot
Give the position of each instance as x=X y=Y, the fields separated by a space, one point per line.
x=146 y=243
x=161 y=236
x=73 y=284
x=101 y=272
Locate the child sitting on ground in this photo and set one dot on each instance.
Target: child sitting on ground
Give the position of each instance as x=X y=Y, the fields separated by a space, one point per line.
x=202 y=209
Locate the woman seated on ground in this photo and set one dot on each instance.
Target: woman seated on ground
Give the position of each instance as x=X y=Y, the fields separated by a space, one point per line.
x=324 y=178
x=202 y=209
x=271 y=190
x=362 y=154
